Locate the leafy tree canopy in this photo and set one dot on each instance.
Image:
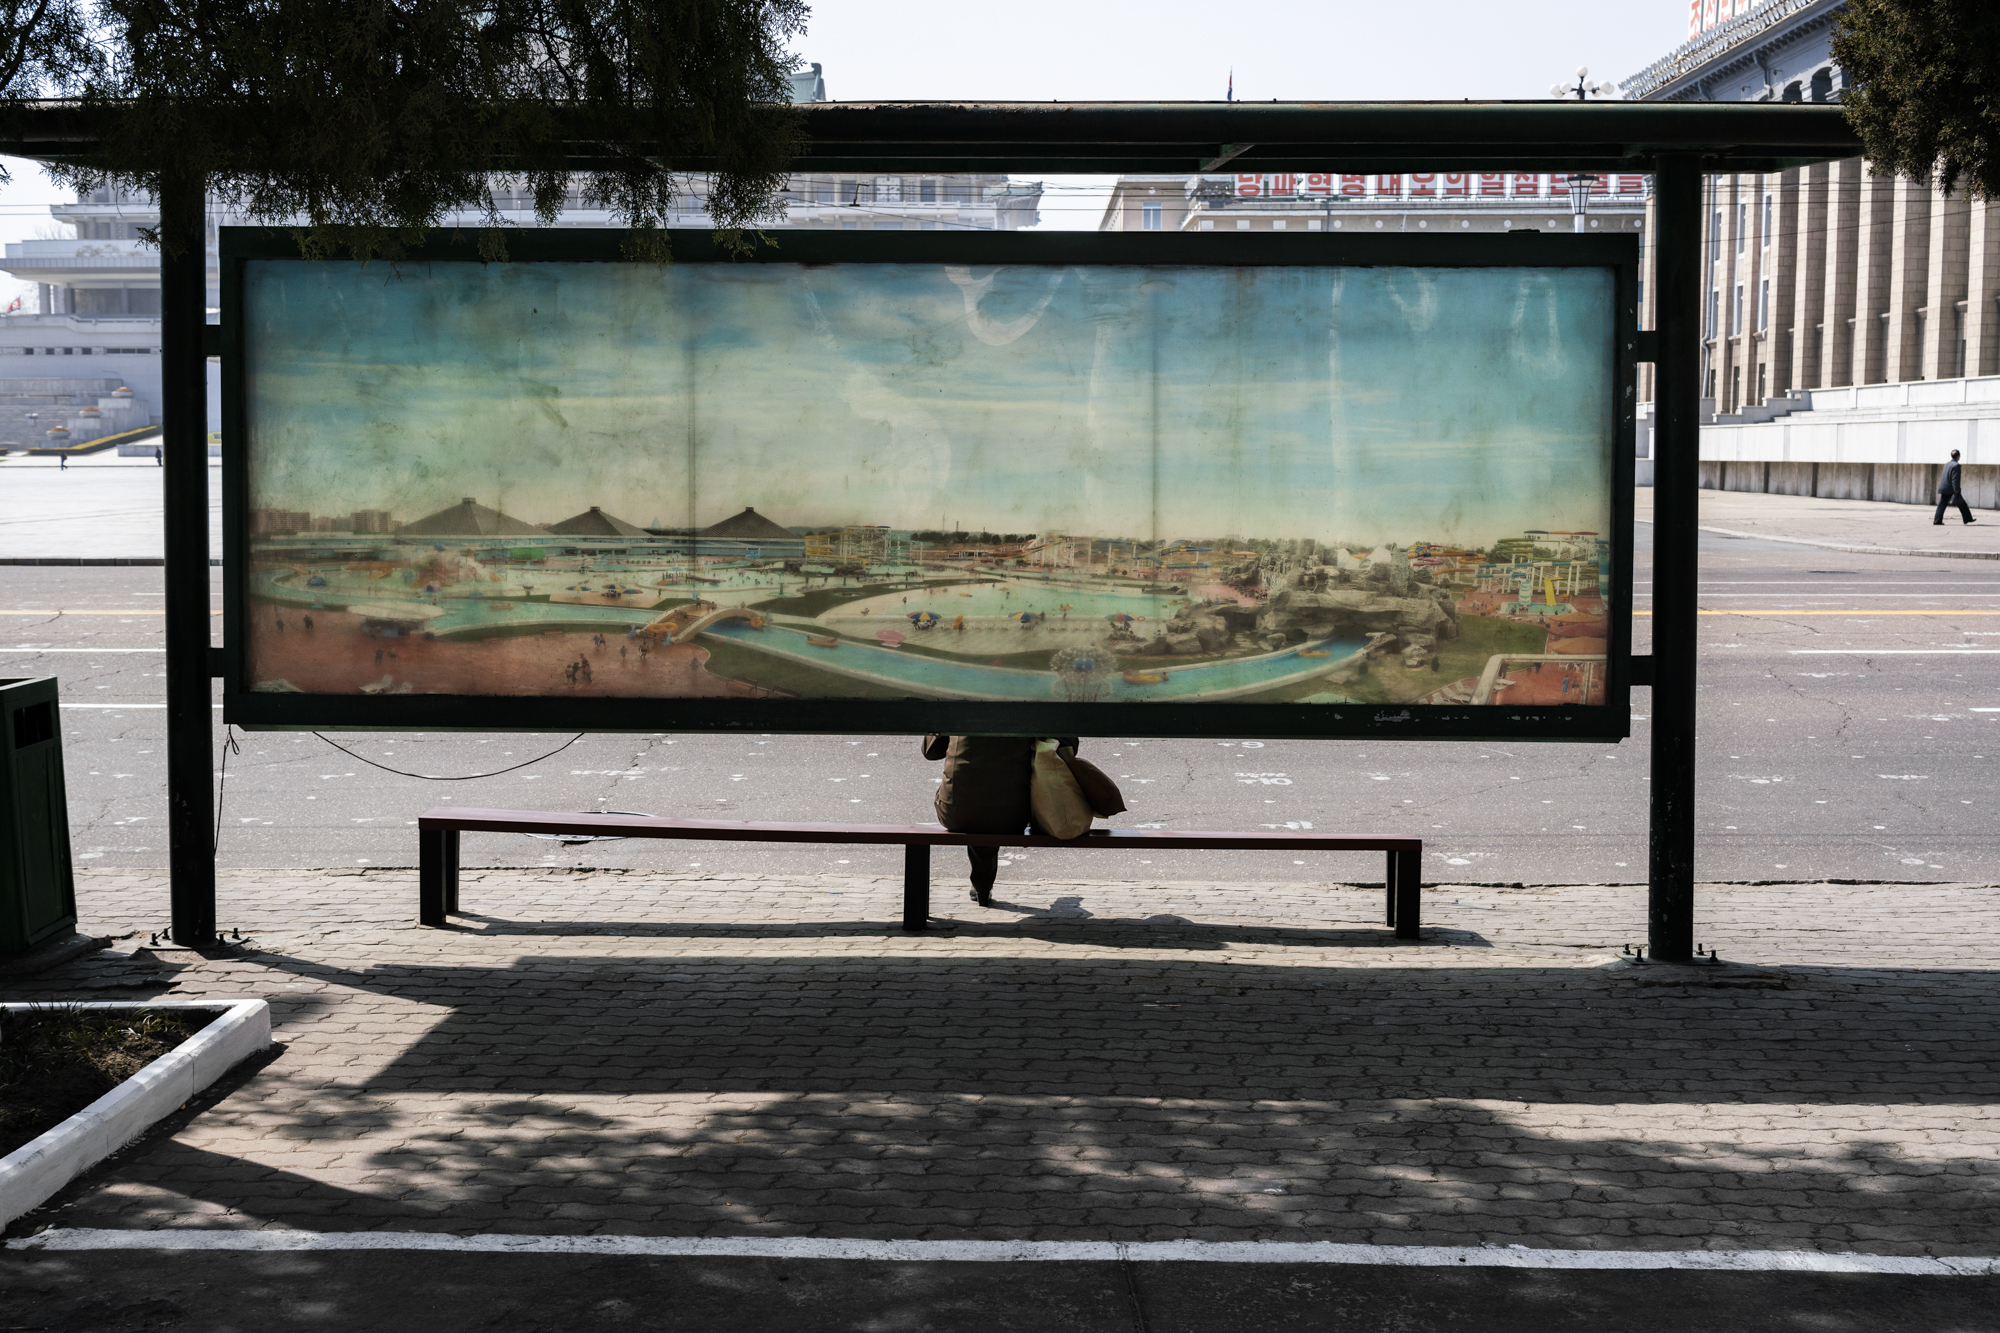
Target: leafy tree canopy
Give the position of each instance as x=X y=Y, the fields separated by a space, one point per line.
x=45 y=50
x=364 y=122
x=1926 y=101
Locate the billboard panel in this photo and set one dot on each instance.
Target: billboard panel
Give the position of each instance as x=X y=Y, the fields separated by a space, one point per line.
x=941 y=483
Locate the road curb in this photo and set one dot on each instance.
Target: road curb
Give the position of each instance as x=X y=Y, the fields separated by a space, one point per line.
x=32 y=1173
x=1852 y=549
x=286 y=1241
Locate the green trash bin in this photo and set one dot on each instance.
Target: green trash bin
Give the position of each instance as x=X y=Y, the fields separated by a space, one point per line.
x=37 y=887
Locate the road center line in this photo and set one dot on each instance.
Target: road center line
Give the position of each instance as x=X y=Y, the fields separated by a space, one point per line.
x=1020 y=1251
x=1868 y=612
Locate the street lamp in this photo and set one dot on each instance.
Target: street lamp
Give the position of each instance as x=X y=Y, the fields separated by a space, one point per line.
x=1579 y=196
x=1583 y=89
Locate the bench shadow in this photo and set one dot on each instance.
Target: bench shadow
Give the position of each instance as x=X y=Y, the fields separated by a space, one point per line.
x=1162 y=931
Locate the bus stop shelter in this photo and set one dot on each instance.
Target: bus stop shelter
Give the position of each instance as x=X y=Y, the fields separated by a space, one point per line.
x=1676 y=144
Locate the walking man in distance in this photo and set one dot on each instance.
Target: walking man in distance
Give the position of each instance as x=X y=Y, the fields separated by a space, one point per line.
x=1949 y=494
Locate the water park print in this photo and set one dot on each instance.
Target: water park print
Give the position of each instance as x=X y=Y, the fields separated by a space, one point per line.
x=881 y=481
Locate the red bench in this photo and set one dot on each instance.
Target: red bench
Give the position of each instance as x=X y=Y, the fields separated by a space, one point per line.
x=438 y=834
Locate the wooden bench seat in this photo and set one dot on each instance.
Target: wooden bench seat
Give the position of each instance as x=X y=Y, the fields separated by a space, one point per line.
x=439 y=829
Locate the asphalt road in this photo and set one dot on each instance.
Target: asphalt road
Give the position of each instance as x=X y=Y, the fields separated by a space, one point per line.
x=1850 y=730
x=417 y=1292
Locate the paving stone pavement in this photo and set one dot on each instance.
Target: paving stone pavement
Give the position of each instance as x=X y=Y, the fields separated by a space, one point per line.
x=641 y=1053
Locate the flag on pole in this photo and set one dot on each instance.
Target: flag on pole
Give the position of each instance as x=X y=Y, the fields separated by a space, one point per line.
x=13 y=306
x=1231 y=95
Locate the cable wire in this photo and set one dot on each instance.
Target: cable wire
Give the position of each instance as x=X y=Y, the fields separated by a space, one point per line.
x=434 y=777
x=229 y=747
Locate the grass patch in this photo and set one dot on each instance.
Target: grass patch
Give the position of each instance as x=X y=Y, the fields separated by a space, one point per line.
x=821 y=600
x=1389 y=682
x=1033 y=660
x=55 y=1062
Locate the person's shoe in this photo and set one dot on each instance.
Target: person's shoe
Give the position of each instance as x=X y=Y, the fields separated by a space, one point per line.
x=984 y=897
x=1970 y=521
x=1937 y=523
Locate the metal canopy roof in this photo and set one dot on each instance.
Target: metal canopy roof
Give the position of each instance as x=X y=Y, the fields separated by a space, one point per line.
x=1175 y=137
x=1186 y=137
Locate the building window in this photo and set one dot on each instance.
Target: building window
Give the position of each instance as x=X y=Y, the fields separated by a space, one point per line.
x=1278 y=225
x=1149 y=217
x=927 y=191
x=1715 y=237
x=1243 y=224
x=1766 y=233
x=1714 y=303
x=1207 y=224
x=1762 y=381
x=1742 y=225
x=1764 y=305
x=1736 y=312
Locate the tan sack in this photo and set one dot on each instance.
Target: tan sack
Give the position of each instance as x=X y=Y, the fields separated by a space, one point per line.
x=1058 y=803
x=1098 y=788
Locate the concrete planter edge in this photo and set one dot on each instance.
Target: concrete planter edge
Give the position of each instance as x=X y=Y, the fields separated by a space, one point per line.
x=32 y=1173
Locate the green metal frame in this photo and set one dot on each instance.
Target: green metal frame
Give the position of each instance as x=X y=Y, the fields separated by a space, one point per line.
x=1598 y=722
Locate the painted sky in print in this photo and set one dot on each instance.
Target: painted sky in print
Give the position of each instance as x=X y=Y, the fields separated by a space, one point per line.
x=1358 y=404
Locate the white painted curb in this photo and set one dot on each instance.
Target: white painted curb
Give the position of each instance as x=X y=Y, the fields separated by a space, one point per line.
x=36 y=1170
x=1018 y=1251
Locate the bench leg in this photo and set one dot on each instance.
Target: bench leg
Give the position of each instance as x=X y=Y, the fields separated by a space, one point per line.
x=431 y=861
x=451 y=869
x=1406 y=878
x=1389 y=891
x=916 y=886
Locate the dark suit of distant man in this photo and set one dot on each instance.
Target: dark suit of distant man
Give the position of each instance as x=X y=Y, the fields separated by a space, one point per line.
x=1949 y=494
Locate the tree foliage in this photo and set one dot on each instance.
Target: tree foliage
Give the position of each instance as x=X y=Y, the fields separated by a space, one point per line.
x=45 y=50
x=365 y=122
x=1926 y=88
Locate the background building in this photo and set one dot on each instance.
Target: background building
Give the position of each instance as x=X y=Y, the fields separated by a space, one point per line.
x=1443 y=202
x=1823 y=281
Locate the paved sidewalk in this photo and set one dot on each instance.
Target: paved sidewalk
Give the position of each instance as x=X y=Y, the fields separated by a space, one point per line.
x=101 y=507
x=1861 y=526
x=651 y=1054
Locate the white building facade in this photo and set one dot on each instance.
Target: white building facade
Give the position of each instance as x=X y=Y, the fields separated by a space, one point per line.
x=1824 y=280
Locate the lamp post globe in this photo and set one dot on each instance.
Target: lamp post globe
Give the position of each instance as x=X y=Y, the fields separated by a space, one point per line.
x=1580 y=184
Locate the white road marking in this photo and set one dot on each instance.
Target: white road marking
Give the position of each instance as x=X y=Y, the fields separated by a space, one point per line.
x=1022 y=1251
x=37 y=652
x=1883 y=652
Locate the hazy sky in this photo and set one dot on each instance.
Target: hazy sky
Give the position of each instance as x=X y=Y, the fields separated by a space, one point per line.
x=1035 y=50
x=1356 y=404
